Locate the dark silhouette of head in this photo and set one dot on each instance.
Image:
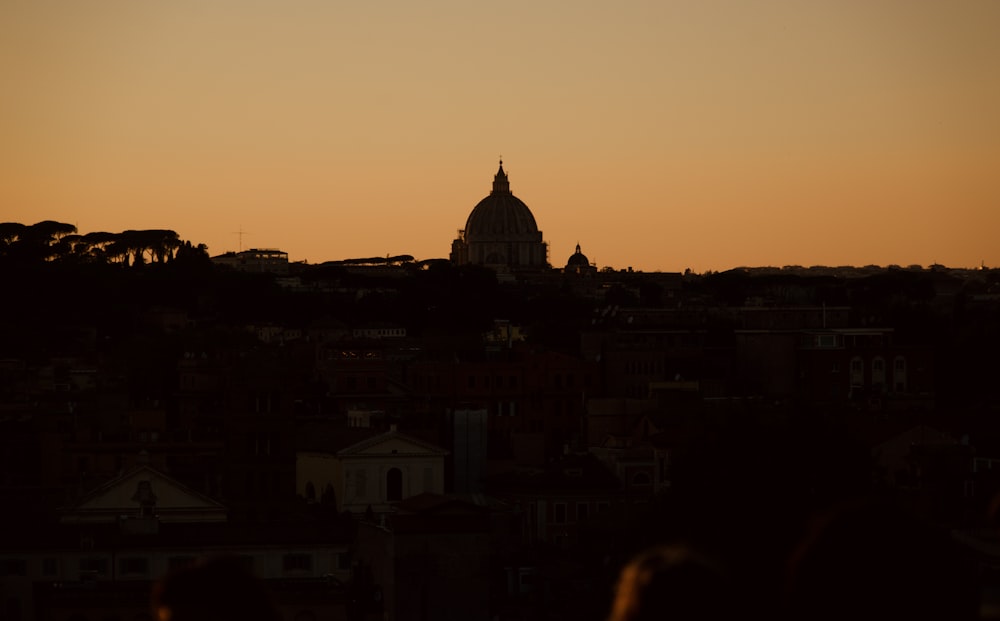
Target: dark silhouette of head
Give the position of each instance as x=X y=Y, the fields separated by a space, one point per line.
x=672 y=582
x=212 y=589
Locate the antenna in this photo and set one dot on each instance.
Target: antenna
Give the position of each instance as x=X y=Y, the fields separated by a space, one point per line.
x=241 y=233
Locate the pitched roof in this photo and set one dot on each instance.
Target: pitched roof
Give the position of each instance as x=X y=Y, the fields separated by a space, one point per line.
x=121 y=495
x=394 y=438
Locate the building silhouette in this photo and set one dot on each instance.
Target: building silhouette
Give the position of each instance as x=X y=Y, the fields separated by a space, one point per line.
x=501 y=232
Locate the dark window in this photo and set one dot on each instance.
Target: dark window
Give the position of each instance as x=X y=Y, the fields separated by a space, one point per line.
x=133 y=566
x=394 y=485
x=560 y=513
x=179 y=562
x=297 y=562
x=95 y=565
x=343 y=560
x=50 y=566
x=14 y=567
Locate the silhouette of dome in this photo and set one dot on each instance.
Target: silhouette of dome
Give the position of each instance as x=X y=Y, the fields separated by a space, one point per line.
x=500 y=232
x=578 y=259
x=500 y=213
x=578 y=263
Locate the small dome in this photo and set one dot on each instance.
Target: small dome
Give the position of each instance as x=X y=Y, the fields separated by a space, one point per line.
x=500 y=213
x=578 y=259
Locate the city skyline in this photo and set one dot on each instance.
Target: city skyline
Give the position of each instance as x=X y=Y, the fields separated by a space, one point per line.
x=657 y=136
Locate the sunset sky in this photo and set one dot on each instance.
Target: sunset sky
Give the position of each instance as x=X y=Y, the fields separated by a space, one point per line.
x=660 y=135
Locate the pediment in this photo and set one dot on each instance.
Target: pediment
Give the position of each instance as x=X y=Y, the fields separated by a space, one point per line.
x=145 y=491
x=392 y=443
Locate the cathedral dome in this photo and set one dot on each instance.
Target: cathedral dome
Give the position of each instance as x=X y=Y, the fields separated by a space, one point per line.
x=501 y=232
x=578 y=259
x=500 y=214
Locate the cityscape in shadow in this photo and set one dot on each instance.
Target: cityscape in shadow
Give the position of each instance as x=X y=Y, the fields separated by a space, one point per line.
x=491 y=436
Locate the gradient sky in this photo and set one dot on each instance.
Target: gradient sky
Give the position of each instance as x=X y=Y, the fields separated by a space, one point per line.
x=660 y=135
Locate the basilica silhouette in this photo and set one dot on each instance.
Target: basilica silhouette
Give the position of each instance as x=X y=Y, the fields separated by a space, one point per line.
x=501 y=233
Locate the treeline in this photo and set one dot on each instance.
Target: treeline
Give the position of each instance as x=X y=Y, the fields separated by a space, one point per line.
x=392 y=261
x=58 y=241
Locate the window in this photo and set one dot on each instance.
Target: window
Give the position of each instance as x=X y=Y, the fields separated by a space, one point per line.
x=14 y=567
x=297 y=562
x=343 y=561
x=878 y=372
x=857 y=371
x=179 y=562
x=899 y=373
x=559 y=516
x=360 y=483
x=641 y=478
x=94 y=565
x=582 y=509
x=133 y=566
x=50 y=566
x=394 y=484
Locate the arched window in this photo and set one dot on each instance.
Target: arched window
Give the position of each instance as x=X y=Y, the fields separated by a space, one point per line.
x=878 y=372
x=394 y=484
x=857 y=371
x=329 y=497
x=899 y=374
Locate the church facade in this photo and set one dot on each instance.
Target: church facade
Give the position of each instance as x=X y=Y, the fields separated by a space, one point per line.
x=501 y=232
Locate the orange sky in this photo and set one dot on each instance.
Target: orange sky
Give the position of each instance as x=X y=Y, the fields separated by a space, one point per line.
x=659 y=135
